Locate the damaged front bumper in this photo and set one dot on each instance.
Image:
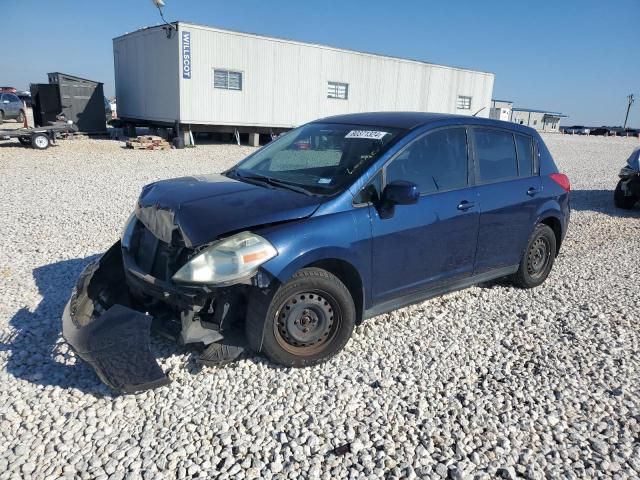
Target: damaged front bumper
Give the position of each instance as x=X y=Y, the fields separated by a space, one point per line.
x=109 y=317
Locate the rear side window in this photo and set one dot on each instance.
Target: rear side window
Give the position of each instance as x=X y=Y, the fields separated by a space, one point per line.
x=435 y=162
x=524 y=145
x=496 y=155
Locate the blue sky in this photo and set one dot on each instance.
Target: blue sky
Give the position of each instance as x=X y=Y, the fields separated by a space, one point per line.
x=578 y=57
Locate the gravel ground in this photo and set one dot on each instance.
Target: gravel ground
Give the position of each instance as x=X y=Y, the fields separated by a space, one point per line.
x=492 y=381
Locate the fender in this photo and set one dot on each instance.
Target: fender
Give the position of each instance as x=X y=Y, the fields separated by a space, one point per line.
x=552 y=209
x=344 y=236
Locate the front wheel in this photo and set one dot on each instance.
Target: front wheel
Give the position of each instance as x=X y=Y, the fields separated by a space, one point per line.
x=538 y=258
x=621 y=200
x=308 y=320
x=20 y=117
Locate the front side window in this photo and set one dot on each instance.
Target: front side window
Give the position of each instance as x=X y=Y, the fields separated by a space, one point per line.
x=435 y=162
x=496 y=155
x=464 y=103
x=338 y=90
x=322 y=158
x=227 y=79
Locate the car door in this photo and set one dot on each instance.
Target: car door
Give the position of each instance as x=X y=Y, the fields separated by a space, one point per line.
x=13 y=105
x=4 y=105
x=510 y=193
x=434 y=241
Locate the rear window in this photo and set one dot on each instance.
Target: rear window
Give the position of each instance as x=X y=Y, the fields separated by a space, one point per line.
x=524 y=145
x=496 y=154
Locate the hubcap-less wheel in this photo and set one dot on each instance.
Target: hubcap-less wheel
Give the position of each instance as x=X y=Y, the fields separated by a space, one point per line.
x=307 y=322
x=538 y=257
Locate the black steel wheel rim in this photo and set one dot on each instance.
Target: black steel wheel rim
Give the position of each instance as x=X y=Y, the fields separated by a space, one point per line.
x=538 y=257
x=307 y=322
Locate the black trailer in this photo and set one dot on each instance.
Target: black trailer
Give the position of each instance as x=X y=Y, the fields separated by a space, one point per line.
x=78 y=99
x=39 y=137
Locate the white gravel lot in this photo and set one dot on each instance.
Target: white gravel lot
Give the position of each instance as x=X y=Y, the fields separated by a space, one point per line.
x=489 y=382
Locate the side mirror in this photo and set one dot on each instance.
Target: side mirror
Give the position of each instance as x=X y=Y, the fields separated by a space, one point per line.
x=400 y=192
x=395 y=193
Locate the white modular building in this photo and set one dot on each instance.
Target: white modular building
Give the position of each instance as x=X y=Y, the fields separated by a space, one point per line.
x=210 y=79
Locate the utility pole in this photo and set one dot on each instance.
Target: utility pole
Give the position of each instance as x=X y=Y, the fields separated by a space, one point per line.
x=630 y=99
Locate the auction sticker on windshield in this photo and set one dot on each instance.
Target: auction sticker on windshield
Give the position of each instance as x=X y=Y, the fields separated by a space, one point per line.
x=372 y=134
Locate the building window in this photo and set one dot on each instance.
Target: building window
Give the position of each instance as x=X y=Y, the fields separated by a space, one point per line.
x=227 y=79
x=338 y=90
x=464 y=103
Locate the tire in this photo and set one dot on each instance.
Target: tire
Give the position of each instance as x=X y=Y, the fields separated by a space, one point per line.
x=308 y=320
x=20 y=117
x=40 y=141
x=537 y=259
x=1 y=117
x=621 y=200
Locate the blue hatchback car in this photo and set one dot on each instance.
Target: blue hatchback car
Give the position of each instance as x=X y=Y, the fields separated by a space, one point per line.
x=339 y=220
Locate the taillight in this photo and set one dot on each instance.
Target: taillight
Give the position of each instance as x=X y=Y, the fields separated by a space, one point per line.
x=562 y=180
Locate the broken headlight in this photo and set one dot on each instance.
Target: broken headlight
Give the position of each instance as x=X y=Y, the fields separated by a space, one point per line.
x=228 y=260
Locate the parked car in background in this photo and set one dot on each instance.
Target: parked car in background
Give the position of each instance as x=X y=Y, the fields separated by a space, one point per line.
x=107 y=109
x=614 y=131
x=602 y=131
x=11 y=108
x=577 y=130
x=337 y=221
x=628 y=132
x=25 y=97
x=627 y=192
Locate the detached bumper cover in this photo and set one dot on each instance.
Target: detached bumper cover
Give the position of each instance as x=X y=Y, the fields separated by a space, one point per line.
x=106 y=333
x=116 y=345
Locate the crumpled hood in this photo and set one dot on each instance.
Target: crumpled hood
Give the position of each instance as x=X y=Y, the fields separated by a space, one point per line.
x=203 y=208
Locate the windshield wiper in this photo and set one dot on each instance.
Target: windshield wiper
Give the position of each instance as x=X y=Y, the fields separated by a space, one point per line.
x=273 y=182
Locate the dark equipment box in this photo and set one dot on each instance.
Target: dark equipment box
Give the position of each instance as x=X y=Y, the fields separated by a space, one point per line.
x=78 y=99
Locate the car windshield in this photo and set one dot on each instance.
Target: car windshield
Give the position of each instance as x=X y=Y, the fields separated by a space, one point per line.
x=317 y=158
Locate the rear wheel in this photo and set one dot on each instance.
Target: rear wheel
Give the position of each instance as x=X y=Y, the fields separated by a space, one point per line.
x=20 y=117
x=621 y=200
x=538 y=258
x=307 y=321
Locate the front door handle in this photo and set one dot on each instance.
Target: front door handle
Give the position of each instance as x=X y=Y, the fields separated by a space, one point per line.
x=465 y=205
x=532 y=191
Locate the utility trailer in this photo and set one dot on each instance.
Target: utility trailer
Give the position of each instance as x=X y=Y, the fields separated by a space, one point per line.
x=40 y=137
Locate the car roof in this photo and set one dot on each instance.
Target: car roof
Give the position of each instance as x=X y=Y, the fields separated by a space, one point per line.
x=412 y=120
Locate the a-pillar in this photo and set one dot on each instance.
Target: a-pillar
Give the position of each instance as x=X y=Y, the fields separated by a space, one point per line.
x=254 y=139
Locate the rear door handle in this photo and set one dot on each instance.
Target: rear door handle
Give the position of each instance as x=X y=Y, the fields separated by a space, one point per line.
x=465 y=205
x=532 y=191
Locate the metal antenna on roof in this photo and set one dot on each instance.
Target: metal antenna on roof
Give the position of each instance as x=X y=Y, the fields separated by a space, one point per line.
x=170 y=27
x=478 y=111
x=630 y=99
